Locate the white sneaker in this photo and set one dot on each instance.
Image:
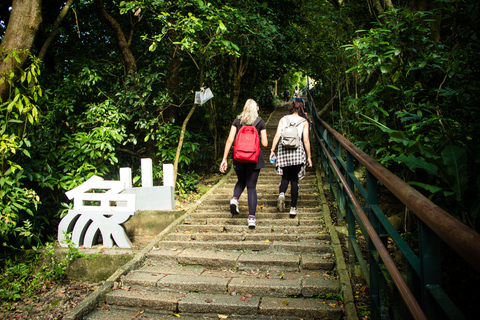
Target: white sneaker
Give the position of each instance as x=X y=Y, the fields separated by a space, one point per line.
x=293 y=211
x=234 y=206
x=252 y=222
x=281 y=202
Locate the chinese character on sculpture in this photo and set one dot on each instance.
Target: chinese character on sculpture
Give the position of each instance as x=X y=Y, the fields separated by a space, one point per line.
x=100 y=207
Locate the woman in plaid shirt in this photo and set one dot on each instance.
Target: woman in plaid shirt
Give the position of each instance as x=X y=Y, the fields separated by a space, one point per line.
x=291 y=162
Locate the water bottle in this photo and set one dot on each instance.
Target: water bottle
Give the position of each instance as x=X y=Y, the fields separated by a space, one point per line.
x=272 y=160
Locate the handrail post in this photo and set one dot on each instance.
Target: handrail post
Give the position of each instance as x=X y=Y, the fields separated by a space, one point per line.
x=430 y=266
x=349 y=212
x=378 y=287
x=331 y=174
x=340 y=190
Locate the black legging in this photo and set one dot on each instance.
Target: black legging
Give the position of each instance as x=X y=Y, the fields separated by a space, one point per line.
x=290 y=173
x=247 y=177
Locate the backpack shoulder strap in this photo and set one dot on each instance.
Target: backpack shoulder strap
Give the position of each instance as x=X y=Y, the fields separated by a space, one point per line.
x=300 y=121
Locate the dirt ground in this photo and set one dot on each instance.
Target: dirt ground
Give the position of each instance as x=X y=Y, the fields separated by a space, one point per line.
x=53 y=301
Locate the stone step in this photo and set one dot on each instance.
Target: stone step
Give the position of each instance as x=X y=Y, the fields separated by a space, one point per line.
x=266 y=195
x=269 y=191
x=317 y=215
x=241 y=221
x=319 y=246
x=272 y=202
x=234 y=282
x=249 y=236
x=198 y=228
x=261 y=208
x=245 y=260
x=269 y=175
x=236 y=306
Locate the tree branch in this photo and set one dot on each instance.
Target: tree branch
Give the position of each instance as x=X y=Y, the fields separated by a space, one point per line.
x=53 y=33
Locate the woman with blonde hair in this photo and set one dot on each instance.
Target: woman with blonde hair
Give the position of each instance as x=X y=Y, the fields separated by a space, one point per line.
x=247 y=173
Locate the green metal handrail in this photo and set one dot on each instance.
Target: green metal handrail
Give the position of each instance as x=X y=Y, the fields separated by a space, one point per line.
x=420 y=288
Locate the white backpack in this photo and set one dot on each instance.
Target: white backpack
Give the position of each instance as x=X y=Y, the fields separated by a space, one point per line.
x=290 y=137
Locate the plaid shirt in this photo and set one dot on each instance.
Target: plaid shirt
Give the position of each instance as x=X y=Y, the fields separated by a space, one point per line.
x=291 y=157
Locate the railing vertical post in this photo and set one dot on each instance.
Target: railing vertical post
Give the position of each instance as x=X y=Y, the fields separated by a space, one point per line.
x=323 y=157
x=349 y=213
x=340 y=190
x=430 y=265
x=378 y=285
x=331 y=174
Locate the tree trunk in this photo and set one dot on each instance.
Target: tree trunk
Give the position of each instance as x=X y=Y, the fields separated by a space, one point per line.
x=128 y=58
x=328 y=105
x=180 y=144
x=201 y=69
x=53 y=33
x=382 y=5
x=239 y=68
x=429 y=5
x=23 y=24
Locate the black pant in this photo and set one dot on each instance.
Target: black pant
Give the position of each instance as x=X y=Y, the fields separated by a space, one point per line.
x=247 y=177
x=290 y=174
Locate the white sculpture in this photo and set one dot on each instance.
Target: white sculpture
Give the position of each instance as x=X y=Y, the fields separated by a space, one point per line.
x=100 y=207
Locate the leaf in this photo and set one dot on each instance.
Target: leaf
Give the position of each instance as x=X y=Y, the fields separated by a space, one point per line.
x=174 y=314
x=209 y=300
x=285 y=303
x=393 y=87
x=221 y=27
x=455 y=158
x=428 y=187
x=413 y=163
x=152 y=47
x=222 y=316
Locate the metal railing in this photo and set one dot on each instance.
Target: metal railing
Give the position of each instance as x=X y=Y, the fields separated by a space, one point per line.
x=419 y=288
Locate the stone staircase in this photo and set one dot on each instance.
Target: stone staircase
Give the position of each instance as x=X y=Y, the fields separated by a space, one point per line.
x=213 y=266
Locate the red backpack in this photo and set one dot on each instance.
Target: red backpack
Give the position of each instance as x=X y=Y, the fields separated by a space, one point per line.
x=247 y=144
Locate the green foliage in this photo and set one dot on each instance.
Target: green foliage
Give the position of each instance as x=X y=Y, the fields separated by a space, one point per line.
x=166 y=142
x=17 y=113
x=415 y=108
x=187 y=184
x=24 y=274
x=91 y=149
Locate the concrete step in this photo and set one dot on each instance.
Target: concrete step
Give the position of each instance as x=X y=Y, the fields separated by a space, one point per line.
x=262 y=226
x=269 y=173
x=214 y=306
x=241 y=221
x=272 y=202
x=268 y=195
x=225 y=207
x=248 y=236
x=233 y=282
x=314 y=215
x=266 y=192
x=319 y=246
